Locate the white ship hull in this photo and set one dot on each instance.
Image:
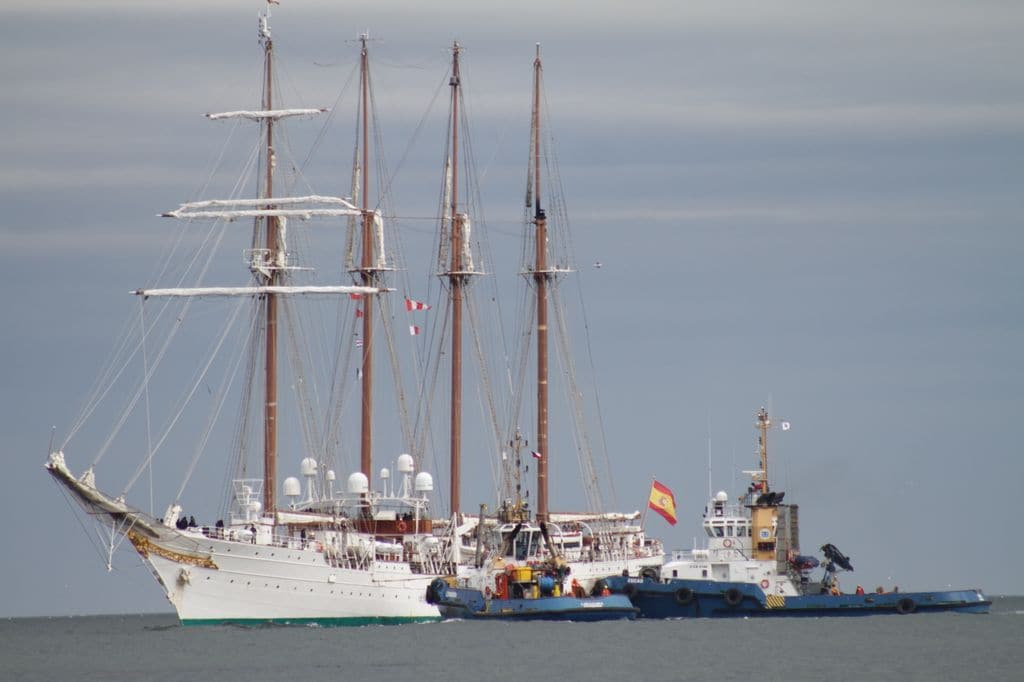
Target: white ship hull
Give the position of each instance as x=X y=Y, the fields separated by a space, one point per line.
x=262 y=584
x=209 y=578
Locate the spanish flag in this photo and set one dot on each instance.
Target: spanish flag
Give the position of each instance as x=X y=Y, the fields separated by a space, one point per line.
x=663 y=501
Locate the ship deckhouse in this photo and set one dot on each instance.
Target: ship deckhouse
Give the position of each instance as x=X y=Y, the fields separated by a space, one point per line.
x=751 y=539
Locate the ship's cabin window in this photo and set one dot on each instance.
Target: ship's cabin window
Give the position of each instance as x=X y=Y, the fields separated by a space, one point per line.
x=525 y=544
x=728 y=530
x=719 y=531
x=704 y=573
x=531 y=549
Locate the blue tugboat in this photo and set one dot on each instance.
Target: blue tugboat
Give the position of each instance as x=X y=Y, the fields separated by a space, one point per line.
x=752 y=566
x=677 y=598
x=523 y=593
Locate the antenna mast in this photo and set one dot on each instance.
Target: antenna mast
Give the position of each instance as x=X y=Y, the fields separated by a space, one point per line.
x=762 y=425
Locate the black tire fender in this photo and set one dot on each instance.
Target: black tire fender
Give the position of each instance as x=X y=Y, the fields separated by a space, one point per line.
x=435 y=589
x=905 y=606
x=684 y=596
x=733 y=597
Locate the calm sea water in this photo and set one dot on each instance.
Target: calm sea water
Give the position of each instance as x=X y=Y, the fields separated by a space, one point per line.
x=154 y=647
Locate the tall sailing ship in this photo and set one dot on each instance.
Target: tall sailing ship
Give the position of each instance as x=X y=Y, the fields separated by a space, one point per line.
x=327 y=557
x=360 y=555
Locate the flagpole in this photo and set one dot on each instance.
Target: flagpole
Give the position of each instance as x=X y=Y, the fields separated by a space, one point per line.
x=647 y=504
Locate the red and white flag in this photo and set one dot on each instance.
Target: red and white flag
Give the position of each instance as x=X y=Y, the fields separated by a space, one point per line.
x=411 y=305
x=355 y=297
x=359 y=343
x=359 y=312
x=537 y=455
x=414 y=330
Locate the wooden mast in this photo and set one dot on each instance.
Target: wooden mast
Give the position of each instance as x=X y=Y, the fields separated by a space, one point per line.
x=368 y=276
x=540 y=278
x=273 y=278
x=456 y=278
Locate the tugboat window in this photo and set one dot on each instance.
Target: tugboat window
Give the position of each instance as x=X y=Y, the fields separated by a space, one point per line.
x=718 y=531
x=728 y=531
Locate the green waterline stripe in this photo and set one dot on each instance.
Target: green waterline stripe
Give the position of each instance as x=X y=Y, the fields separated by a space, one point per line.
x=325 y=622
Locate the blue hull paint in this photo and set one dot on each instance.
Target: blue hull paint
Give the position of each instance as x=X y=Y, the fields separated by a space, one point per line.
x=471 y=605
x=709 y=599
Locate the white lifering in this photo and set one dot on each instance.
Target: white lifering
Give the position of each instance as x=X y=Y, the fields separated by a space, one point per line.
x=728 y=542
x=764 y=584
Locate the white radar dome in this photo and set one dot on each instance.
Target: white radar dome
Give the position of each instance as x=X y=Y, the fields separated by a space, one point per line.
x=255 y=507
x=721 y=496
x=330 y=475
x=424 y=482
x=385 y=473
x=358 y=483
x=405 y=463
x=308 y=467
x=292 y=487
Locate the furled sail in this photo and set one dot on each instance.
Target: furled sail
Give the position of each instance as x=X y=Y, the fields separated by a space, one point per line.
x=273 y=114
x=378 y=233
x=467 y=249
x=254 y=291
x=288 y=207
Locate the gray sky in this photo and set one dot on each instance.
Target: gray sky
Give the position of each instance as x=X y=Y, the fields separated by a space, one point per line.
x=816 y=204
